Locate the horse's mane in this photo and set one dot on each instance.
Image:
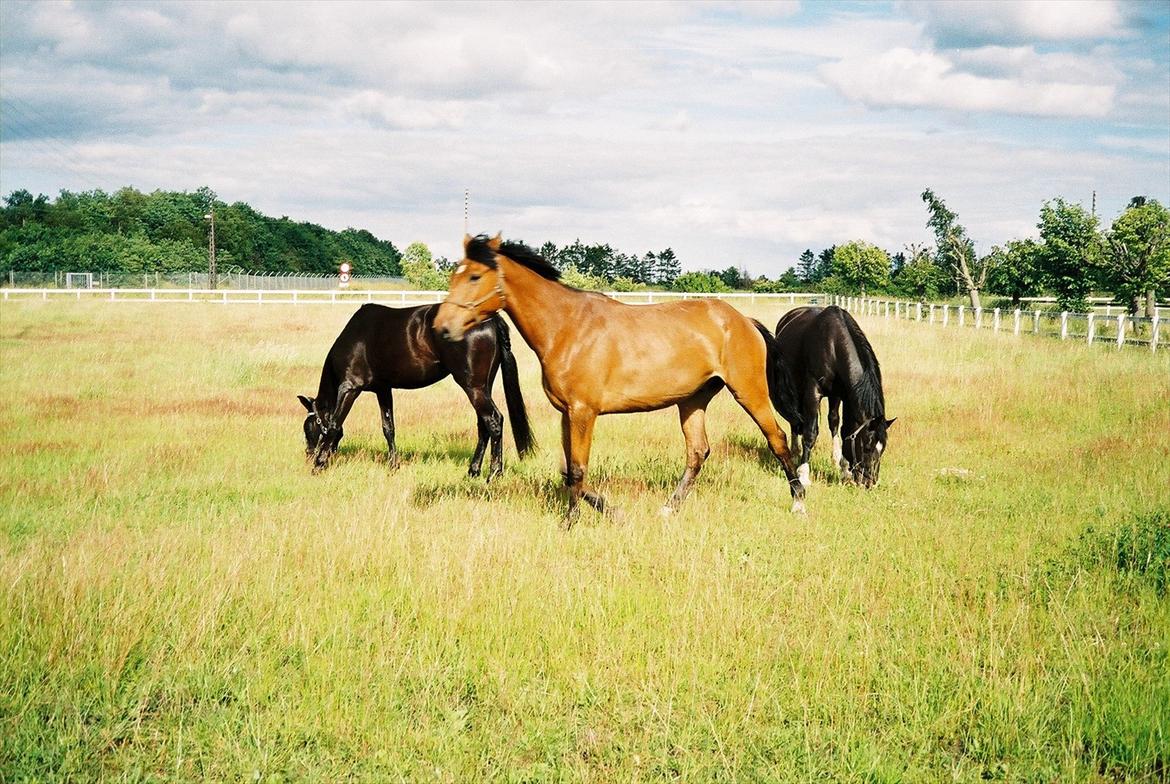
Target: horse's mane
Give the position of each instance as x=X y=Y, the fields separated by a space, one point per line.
x=868 y=388
x=478 y=250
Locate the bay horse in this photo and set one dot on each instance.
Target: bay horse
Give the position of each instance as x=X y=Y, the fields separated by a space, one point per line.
x=600 y=356
x=825 y=354
x=382 y=349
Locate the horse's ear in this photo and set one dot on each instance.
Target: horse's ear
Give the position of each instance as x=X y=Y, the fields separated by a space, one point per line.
x=467 y=238
x=495 y=242
x=890 y=422
x=307 y=402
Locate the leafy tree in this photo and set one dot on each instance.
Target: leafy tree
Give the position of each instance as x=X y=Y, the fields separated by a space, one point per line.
x=419 y=268
x=1137 y=260
x=1070 y=252
x=1013 y=270
x=918 y=275
x=735 y=278
x=955 y=251
x=700 y=282
x=862 y=266
x=578 y=279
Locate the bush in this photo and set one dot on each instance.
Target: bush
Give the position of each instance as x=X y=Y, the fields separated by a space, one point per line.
x=700 y=282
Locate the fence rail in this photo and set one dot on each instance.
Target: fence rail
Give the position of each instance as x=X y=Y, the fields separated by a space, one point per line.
x=1118 y=329
x=334 y=296
x=235 y=279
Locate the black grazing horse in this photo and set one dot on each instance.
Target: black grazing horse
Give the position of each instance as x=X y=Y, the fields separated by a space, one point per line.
x=824 y=353
x=382 y=349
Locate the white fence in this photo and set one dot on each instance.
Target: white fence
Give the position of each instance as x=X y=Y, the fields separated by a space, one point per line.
x=1118 y=330
x=334 y=296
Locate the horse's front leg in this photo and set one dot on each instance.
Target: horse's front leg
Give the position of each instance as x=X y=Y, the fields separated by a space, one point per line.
x=577 y=440
x=331 y=425
x=839 y=461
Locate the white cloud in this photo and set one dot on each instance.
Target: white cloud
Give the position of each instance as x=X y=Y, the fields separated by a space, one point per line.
x=921 y=79
x=968 y=22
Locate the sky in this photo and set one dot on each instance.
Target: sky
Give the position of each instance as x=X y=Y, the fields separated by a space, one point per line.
x=736 y=133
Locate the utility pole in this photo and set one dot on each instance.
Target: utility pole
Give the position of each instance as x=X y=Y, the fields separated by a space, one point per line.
x=211 y=276
x=466 y=200
x=1094 y=204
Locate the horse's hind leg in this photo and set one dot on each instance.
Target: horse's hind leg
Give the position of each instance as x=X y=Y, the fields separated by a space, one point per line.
x=490 y=426
x=752 y=394
x=386 y=405
x=812 y=428
x=692 y=414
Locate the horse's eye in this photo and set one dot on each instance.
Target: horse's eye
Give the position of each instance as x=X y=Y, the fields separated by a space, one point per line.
x=474 y=278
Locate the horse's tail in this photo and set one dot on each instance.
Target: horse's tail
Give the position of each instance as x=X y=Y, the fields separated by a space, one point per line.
x=517 y=413
x=781 y=387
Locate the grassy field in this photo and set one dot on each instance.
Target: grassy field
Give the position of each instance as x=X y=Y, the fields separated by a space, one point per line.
x=181 y=600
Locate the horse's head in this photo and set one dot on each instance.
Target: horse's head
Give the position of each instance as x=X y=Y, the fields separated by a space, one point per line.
x=314 y=429
x=864 y=449
x=476 y=290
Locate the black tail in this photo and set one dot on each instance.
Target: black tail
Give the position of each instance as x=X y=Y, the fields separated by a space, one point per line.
x=517 y=413
x=781 y=387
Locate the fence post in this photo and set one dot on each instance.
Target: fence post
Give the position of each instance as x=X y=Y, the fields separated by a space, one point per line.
x=887 y=308
x=1063 y=324
x=918 y=311
x=931 y=313
x=1154 y=333
x=962 y=315
x=946 y=314
x=1120 y=329
x=1036 y=322
x=978 y=318
x=1089 y=332
x=1016 y=328
x=995 y=320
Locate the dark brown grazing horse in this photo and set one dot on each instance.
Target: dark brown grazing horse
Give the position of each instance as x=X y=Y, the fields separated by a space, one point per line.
x=382 y=349
x=600 y=356
x=825 y=354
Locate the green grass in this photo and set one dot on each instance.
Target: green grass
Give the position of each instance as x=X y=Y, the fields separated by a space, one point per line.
x=181 y=600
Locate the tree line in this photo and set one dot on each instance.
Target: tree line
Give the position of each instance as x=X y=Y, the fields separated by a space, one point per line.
x=167 y=231
x=1074 y=256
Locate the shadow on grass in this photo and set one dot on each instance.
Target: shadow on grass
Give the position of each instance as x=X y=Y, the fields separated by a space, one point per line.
x=754 y=448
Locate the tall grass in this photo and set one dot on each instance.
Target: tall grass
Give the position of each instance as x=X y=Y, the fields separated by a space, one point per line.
x=180 y=599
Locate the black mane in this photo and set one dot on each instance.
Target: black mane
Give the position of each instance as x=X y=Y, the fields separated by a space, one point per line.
x=478 y=250
x=869 y=386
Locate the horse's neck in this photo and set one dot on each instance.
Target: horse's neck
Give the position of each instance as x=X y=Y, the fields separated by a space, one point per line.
x=538 y=306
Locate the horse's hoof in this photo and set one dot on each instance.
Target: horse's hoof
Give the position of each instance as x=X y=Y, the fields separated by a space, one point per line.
x=798 y=506
x=802 y=475
x=666 y=511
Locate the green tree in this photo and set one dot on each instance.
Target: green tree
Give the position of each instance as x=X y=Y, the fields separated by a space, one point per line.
x=1014 y=270
x=705 y=282
x=919 y=276
x=571 y=275
x=862 y=266
x=1070 y=253
x=667 y=268
x=955 y=252
x=806 y=266
x=1137 y=260
x=419 y=268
